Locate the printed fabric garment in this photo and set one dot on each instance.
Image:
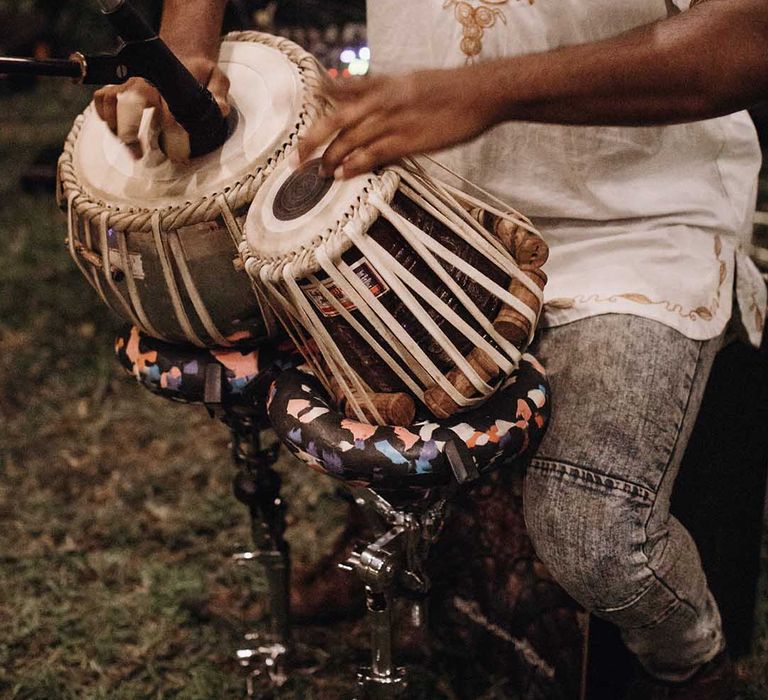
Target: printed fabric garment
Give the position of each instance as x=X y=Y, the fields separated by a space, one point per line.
x=650 y=221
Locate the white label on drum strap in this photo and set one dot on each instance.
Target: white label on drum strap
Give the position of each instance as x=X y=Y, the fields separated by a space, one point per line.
x=137 y=267
x=362 y=268
x=134 y=260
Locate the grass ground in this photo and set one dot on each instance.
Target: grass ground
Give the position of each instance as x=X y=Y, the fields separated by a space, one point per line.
x=115 y=510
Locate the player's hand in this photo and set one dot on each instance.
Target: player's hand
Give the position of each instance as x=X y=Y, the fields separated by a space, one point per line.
x=122 y=106
x=381 y=119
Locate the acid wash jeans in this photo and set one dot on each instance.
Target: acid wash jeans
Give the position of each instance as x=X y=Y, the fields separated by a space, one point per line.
x=626 y=392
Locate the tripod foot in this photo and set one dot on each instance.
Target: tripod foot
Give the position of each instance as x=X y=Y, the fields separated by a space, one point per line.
x=378 y=686
x=264 y=661
x=269 y=663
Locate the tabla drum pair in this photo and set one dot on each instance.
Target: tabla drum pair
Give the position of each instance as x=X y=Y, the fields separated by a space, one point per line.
x=158 y=240
x=396 y=285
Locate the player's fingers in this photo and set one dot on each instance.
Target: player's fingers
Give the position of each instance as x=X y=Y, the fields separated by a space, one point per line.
x=350 y=140
x=318 y=134
x=343 y=118
x=219 y=87
x=130 y=109
x=106 y=107
x=174 y=140
x=98 y=102
x=362 y=160
x=326 y=82
x=353 y=88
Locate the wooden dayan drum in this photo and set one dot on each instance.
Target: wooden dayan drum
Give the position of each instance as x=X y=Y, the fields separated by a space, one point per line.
x=391 y=285
x=157 y=240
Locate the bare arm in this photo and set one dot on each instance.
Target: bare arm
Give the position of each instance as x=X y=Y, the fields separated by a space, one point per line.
x=702 y=63
x=191 y=28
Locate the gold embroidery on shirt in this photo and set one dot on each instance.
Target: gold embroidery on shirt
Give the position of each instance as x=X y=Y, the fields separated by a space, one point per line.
x=475 y=19
x=705 y=313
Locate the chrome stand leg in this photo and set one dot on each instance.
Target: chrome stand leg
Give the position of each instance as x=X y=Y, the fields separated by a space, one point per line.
x=257 y=486
x=267 y=657
x=381 y=680
x=393 y=564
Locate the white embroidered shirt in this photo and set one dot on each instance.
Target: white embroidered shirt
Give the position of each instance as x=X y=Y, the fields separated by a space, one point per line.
x=652 y=221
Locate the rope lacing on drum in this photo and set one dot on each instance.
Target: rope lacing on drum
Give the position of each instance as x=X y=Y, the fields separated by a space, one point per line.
x=394 y=345
x=87 y=208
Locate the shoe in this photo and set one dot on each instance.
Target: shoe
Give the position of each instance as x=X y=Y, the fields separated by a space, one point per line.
x=715 y=680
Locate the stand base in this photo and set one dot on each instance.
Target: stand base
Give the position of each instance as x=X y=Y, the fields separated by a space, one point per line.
x=264 y=660
x=372 y=686
x=270 y=663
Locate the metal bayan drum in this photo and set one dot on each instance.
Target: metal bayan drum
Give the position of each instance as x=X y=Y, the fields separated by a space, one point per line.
x=393 y=287
x=159 y=241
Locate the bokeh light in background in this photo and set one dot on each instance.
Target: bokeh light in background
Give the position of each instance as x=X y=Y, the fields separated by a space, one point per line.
x=342 y=49
x=354 y=62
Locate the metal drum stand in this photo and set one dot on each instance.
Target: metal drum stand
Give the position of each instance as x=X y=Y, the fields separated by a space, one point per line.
x=393 y=566
x=408 y=474
x=257 y=486
x=237 y=399
x=403 y=475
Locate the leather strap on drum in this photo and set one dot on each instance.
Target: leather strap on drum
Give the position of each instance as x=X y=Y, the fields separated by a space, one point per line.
x=509 y=426
x=286 y=278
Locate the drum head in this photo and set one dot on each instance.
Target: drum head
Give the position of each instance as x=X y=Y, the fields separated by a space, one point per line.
x=266 y=92
x=295 y=205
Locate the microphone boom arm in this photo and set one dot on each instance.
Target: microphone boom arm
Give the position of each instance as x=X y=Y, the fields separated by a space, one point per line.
x=144 y=55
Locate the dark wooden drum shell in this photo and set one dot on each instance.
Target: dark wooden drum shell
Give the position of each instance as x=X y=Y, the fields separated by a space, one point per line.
x=396 y=286
x=358 y=353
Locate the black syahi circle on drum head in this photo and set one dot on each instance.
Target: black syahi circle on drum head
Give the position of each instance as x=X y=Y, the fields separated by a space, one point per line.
x=301 y=192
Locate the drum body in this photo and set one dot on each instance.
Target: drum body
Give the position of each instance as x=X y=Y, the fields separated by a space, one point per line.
x=158 y=240
x=391 y=283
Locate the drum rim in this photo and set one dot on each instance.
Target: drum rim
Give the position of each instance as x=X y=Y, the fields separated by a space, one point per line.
x=71 y=192
x=384 y=182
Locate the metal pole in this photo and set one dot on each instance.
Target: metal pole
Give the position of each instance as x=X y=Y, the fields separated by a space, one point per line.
x=55 y=67
x=380 y=617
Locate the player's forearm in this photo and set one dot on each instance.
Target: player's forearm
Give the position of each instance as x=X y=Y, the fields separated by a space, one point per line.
x=706 y=62
x=192 y=28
